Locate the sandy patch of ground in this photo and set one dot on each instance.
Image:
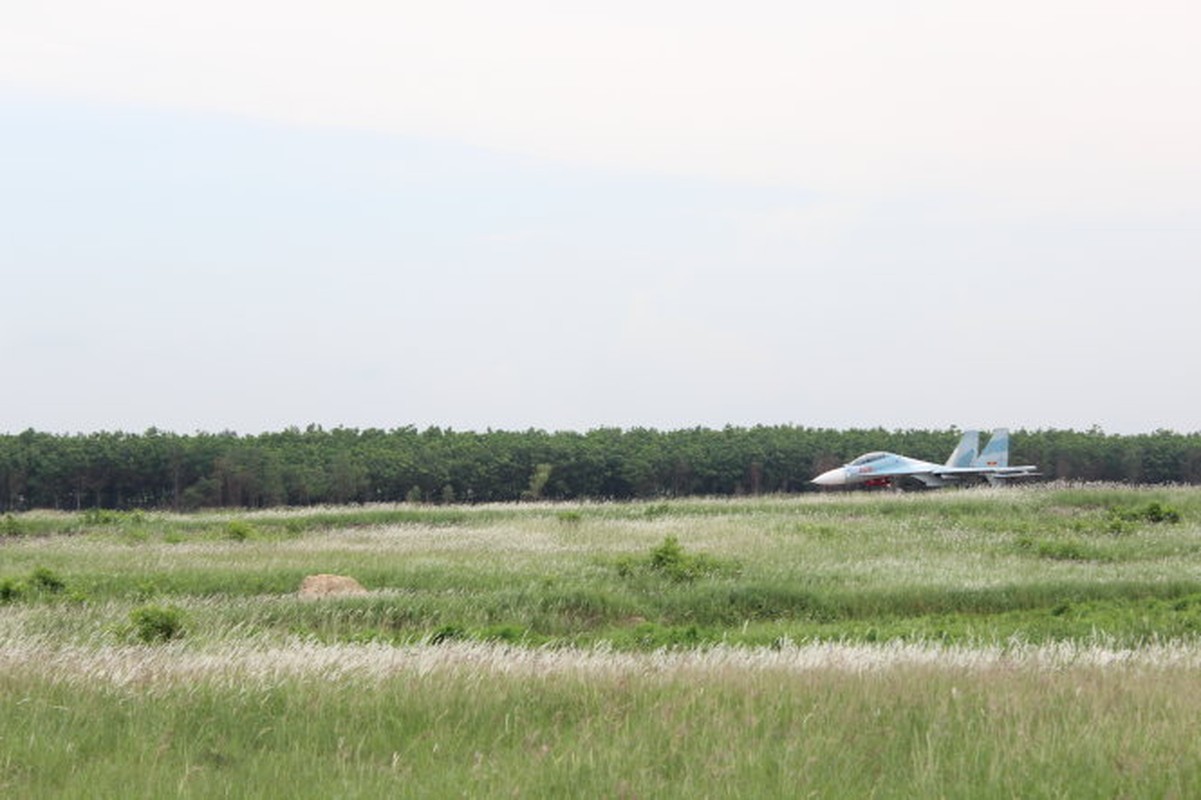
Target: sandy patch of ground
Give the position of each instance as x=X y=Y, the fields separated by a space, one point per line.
x=325 y=585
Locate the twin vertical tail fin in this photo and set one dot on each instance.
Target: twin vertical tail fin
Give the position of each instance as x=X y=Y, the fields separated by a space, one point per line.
x=996 y=452
x=965 y=451
x=968 y=453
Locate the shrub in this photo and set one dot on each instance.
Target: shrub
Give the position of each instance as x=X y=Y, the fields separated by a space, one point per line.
x=668 y=556
x=46 y=580
x=11 y=590
x=1155 y=513
x=1118 y=526
x=156 y=623
x=10 y=526
x=238 y=530
x=1152 y=512
x=669 y=560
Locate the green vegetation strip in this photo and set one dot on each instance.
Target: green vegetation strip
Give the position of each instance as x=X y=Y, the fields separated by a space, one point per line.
x=157 y=469
x=976 y=566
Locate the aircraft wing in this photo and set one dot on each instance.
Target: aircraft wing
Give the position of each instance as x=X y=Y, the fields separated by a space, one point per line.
x=953 y=472
x=994 y=475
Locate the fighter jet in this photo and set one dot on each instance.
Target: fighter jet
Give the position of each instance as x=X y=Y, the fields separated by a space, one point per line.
x=965 y=464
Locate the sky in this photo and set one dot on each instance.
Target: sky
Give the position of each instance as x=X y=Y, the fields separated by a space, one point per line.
x=253 y=215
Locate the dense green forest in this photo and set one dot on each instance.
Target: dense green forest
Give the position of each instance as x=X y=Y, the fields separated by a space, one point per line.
x=156 y=469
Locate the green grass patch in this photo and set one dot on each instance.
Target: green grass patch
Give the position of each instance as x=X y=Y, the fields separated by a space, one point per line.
x=130 y=644
x=954 y=564
x=713 y=731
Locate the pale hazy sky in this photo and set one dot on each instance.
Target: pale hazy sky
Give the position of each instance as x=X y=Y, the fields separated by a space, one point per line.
x=249 y=215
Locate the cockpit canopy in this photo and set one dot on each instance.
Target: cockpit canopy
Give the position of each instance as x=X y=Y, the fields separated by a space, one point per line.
x=868 y=458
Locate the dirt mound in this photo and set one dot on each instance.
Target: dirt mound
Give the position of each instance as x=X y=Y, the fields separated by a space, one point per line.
x=327 y=585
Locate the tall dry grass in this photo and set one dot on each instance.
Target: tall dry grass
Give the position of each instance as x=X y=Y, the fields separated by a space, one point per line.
x=317 y=721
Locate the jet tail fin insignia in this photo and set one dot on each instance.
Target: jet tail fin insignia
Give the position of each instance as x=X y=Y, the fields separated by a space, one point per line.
x=996 y=452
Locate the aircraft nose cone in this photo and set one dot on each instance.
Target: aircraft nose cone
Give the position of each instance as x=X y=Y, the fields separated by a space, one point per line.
x=834 y=477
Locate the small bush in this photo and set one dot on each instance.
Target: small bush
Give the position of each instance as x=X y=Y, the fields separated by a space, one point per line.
x=45 y=580
x=238 y=530
x=11 y=526
x=11 y=590
x=1152 y=512
x=669 y=560
x=668 y=556
x=570 y=517
x=1117 y=526
x=1156 y=513
x=156 y=623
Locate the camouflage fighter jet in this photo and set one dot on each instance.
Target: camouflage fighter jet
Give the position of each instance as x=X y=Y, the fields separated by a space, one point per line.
x=965 y=464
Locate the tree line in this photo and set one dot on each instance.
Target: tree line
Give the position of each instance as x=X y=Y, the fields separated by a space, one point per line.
x=158 y=469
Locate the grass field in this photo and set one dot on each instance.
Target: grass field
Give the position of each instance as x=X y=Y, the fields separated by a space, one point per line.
x=1034 y=642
